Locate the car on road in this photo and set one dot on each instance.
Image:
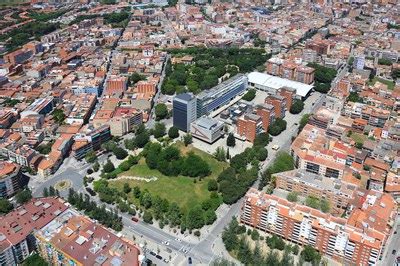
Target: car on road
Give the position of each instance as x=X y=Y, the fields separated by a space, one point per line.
x=275 y=147
x=135 y=219
x=394 y=251
x=190 y=260
x=178 y=239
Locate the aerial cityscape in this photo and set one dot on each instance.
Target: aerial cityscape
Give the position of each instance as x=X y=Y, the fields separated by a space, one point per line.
x=194 y=132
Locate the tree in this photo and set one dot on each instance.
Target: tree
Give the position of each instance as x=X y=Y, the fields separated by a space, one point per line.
x=159 y=130
x=312 y=202
x=5 y=206
x=127 y=188
x=384 y=61
x=261 y=139
x=255 y=235
x=324 y=205
x=220 y=154
x=187 y=139
x=195 y=166
x=36 y=260
x=277 y=127
x=295 y=249
x=52 y=191
x=91 y=157
x=45 y=192
x=297 y=106
x=229 y=235
x=250 y=95
x=96 y=166
x=120 y=153
x=195 y=217
x=230 y=141
x=212 y=185
x=262 y=153
x=239 y=162
x=173 y=132
x=135 y=78
x=23 y=196
x=146 y=200
x=354 y=97
x=303 y=121
x=310 y=254
x=142 y=139
x=148 y=217
x=193 y=86
x=108 y=167
x=292 y=196
x=210 y=217
x=161 y=111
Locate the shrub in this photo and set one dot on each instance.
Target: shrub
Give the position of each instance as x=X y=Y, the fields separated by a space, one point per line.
x=173 y=132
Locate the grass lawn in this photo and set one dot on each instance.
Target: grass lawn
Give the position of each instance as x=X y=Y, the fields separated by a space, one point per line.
x=180 y=189
x=390 y=84
x=358 y=138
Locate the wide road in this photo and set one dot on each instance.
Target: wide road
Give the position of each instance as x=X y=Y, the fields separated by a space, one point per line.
x=388 y=258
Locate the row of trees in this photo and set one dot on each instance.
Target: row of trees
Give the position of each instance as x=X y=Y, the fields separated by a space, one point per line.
x=99 y=213
x=46 y=16
x=170 y=162
x=283 y=162
x=50 y=192
x=110 y=171
x=234 y=181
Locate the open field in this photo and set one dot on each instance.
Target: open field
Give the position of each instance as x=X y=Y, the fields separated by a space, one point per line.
x=180 y=189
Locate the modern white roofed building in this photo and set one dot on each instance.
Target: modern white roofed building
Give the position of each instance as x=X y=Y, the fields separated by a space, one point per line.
x=269 y=83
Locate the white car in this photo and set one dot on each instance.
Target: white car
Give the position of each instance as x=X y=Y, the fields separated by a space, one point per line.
x=275 y=147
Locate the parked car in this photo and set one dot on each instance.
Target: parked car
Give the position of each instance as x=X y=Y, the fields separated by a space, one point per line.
x=159 y=257
x=90 y=191
x=190 y=260
x=394 y=251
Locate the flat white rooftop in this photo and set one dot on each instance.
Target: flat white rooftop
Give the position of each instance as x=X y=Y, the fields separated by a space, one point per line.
x=273 y=82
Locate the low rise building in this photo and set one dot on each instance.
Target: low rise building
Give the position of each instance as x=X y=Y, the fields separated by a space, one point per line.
x=207 y=129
